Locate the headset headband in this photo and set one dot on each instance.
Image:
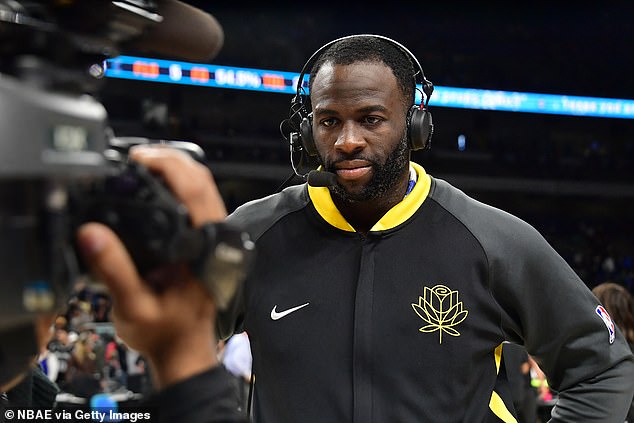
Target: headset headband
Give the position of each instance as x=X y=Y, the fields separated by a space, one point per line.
x=427 y=85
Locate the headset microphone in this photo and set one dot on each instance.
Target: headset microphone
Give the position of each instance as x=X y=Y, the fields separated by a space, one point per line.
x=321 y=178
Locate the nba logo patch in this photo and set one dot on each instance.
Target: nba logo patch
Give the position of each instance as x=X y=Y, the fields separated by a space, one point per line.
x=603 y=314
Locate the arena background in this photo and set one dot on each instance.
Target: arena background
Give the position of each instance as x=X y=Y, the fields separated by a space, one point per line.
x=571 y=177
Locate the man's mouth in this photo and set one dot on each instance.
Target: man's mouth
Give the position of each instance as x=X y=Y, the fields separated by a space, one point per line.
x=352 y=169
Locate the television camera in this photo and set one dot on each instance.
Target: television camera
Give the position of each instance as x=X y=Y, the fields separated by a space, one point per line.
x=61 y=165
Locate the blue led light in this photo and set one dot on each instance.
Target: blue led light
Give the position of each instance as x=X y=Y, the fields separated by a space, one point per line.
x=462 y=142
x=216 y=76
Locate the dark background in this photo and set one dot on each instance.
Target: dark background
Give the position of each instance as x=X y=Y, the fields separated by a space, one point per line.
x=571 y=177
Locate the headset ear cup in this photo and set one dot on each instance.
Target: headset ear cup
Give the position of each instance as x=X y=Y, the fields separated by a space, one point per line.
x=306 y=132
x=420 y=128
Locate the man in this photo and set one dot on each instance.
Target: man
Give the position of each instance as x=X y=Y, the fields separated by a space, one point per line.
x=387 y=295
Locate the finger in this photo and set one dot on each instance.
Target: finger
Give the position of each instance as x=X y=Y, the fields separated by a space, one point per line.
x=191 y=182
x=110 y=262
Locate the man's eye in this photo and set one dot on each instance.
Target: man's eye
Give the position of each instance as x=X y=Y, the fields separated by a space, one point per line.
x=372 y=120
x=327 y=122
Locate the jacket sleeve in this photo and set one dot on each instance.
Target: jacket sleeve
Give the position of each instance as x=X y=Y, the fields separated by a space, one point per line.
x=598 y=399
x=549 y=309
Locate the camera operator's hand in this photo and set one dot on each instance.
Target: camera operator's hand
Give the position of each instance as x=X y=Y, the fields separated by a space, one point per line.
x=190 y=181
x=173 y=327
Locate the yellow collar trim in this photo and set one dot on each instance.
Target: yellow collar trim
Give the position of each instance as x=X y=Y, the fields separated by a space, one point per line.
x=320 y=196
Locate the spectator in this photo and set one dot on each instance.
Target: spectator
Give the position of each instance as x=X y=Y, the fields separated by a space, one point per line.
x=62 y=347
x=620 y=305
x=82 y=373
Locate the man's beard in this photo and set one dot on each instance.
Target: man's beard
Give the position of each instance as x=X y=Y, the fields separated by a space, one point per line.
x=385 y=178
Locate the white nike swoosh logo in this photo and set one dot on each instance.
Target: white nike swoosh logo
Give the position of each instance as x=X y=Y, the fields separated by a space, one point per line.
x=275 y=315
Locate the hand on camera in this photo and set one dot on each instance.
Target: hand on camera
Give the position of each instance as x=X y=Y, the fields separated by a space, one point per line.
x=173 y=327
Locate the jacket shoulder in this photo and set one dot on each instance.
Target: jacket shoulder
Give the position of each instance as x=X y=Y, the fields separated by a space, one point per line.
x=488 y=224
x=257 y=216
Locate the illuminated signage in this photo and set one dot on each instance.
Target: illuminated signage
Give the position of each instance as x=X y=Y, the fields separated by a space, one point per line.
x=204 y=75
x=215 y=76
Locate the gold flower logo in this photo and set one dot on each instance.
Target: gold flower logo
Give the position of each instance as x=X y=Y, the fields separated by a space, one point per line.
x=440 y=309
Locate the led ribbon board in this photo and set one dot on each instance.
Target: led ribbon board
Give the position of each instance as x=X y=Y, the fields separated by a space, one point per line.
x=217 y=76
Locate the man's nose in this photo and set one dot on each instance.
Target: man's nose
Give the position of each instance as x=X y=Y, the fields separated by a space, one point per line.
x=350 y=139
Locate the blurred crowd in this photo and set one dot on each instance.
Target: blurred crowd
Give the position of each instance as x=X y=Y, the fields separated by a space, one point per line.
x=85 y=357
x=598 y=251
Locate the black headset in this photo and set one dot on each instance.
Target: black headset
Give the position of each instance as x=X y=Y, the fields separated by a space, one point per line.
x=300 y=136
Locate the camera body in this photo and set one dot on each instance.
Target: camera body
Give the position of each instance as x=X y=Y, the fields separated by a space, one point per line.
x=156 y=228
x=152 y=224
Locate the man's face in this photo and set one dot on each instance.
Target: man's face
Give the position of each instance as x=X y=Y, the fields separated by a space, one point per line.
x=359 y=127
